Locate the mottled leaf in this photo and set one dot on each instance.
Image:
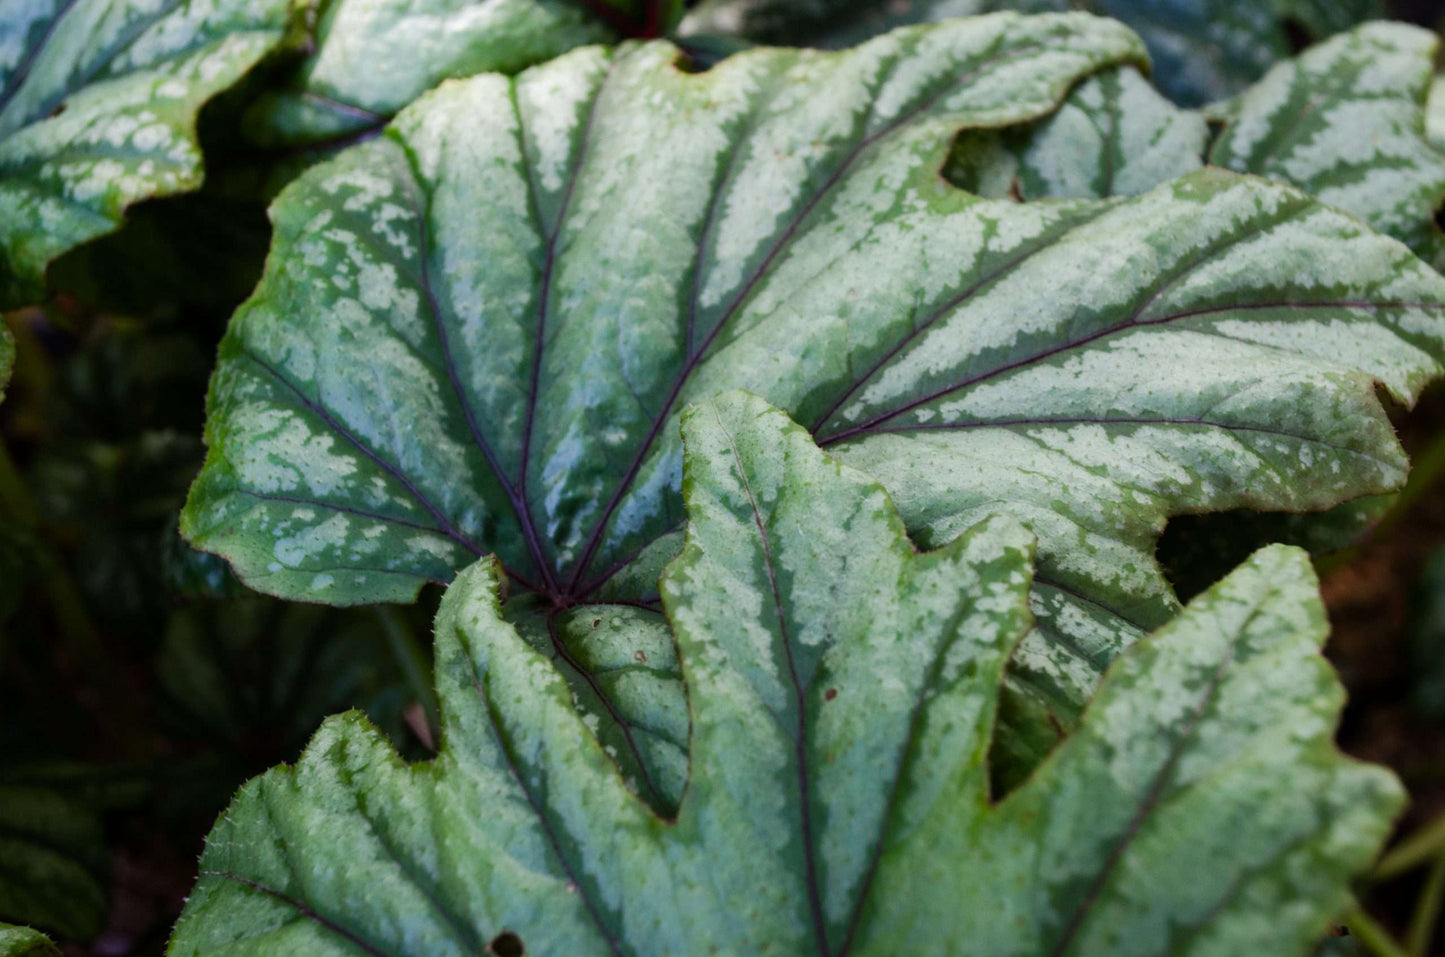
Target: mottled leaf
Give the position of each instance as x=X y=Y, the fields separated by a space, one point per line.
x=1113 y=136
x=841 y=693
x=476 y=331
x=25 y=942
x=1345 y=122
x=1202 y=49
x=369 y=58
x=98 y=104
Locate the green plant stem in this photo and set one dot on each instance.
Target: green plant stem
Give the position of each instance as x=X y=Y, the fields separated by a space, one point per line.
x=1414 y=851
x=1372 y=937
x=413 y=661
x=1427 y=911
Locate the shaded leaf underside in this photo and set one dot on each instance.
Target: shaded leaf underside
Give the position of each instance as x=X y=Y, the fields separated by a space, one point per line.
x=475 y=337
x=98 y=105
x=841 y=693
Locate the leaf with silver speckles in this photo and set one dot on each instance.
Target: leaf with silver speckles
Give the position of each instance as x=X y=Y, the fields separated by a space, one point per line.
x=841 y=695
x=98 y=105
x=476 y=332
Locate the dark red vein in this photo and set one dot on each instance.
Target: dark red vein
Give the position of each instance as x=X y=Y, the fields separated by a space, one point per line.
x=783 y=240
x=345 y=109
x=1165 y=282
x=565 y=654
x=905 y=754
x=1102 y=420
x=1146 y=807
x=1049 y=241
x=422 y=204
x=800 y=739
x=444 y=524
x=22 y=72
x=128 y=36
x=542 y=820
x=301 y=908
x=872 y=425
x=463 y=930
x=549 y=265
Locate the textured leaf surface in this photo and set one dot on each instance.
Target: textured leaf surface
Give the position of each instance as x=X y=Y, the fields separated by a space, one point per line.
x=1202 y=49
x=475 y=333
x=841 y=692
x=1114 y=136
x=372 y=58
x=1346 y=123
x=25 y=942
x=98 y=104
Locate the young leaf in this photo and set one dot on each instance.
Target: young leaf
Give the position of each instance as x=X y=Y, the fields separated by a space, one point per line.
x=370 y=59
x=25 y=942
x=1113 y=136
x=1202 y=49
x=476 y=331
x=98 y=104
x=1345 y=122
x=841 y=692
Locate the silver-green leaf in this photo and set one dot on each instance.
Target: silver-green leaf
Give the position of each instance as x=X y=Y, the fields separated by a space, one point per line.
x=98 y=105
x=370 y=59
x=1345 y=122
x=475 y=332
x=1203 y=50
x=1113 y=136
x=841 y=695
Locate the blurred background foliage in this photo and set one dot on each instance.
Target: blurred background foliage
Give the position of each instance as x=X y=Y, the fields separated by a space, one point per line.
x=141 y=684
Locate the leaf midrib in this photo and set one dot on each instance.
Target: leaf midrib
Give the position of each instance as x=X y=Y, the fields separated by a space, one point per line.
x=750 y=284
x=800 y=703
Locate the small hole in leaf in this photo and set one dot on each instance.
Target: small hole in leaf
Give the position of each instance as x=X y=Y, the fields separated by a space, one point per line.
x=597 y=623
x=59 y=109
x=1440 y=216
x=1296 y=34
x=506 y=944
x=830 y=694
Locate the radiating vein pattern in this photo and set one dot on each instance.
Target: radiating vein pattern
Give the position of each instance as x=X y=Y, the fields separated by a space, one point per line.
x=842 y=689
x=476 y=334
x=98 y=104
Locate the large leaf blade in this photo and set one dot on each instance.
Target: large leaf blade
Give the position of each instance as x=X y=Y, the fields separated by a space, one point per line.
x=838 y=800
x=509 y=332
x=98 y=105
x=368 y=60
